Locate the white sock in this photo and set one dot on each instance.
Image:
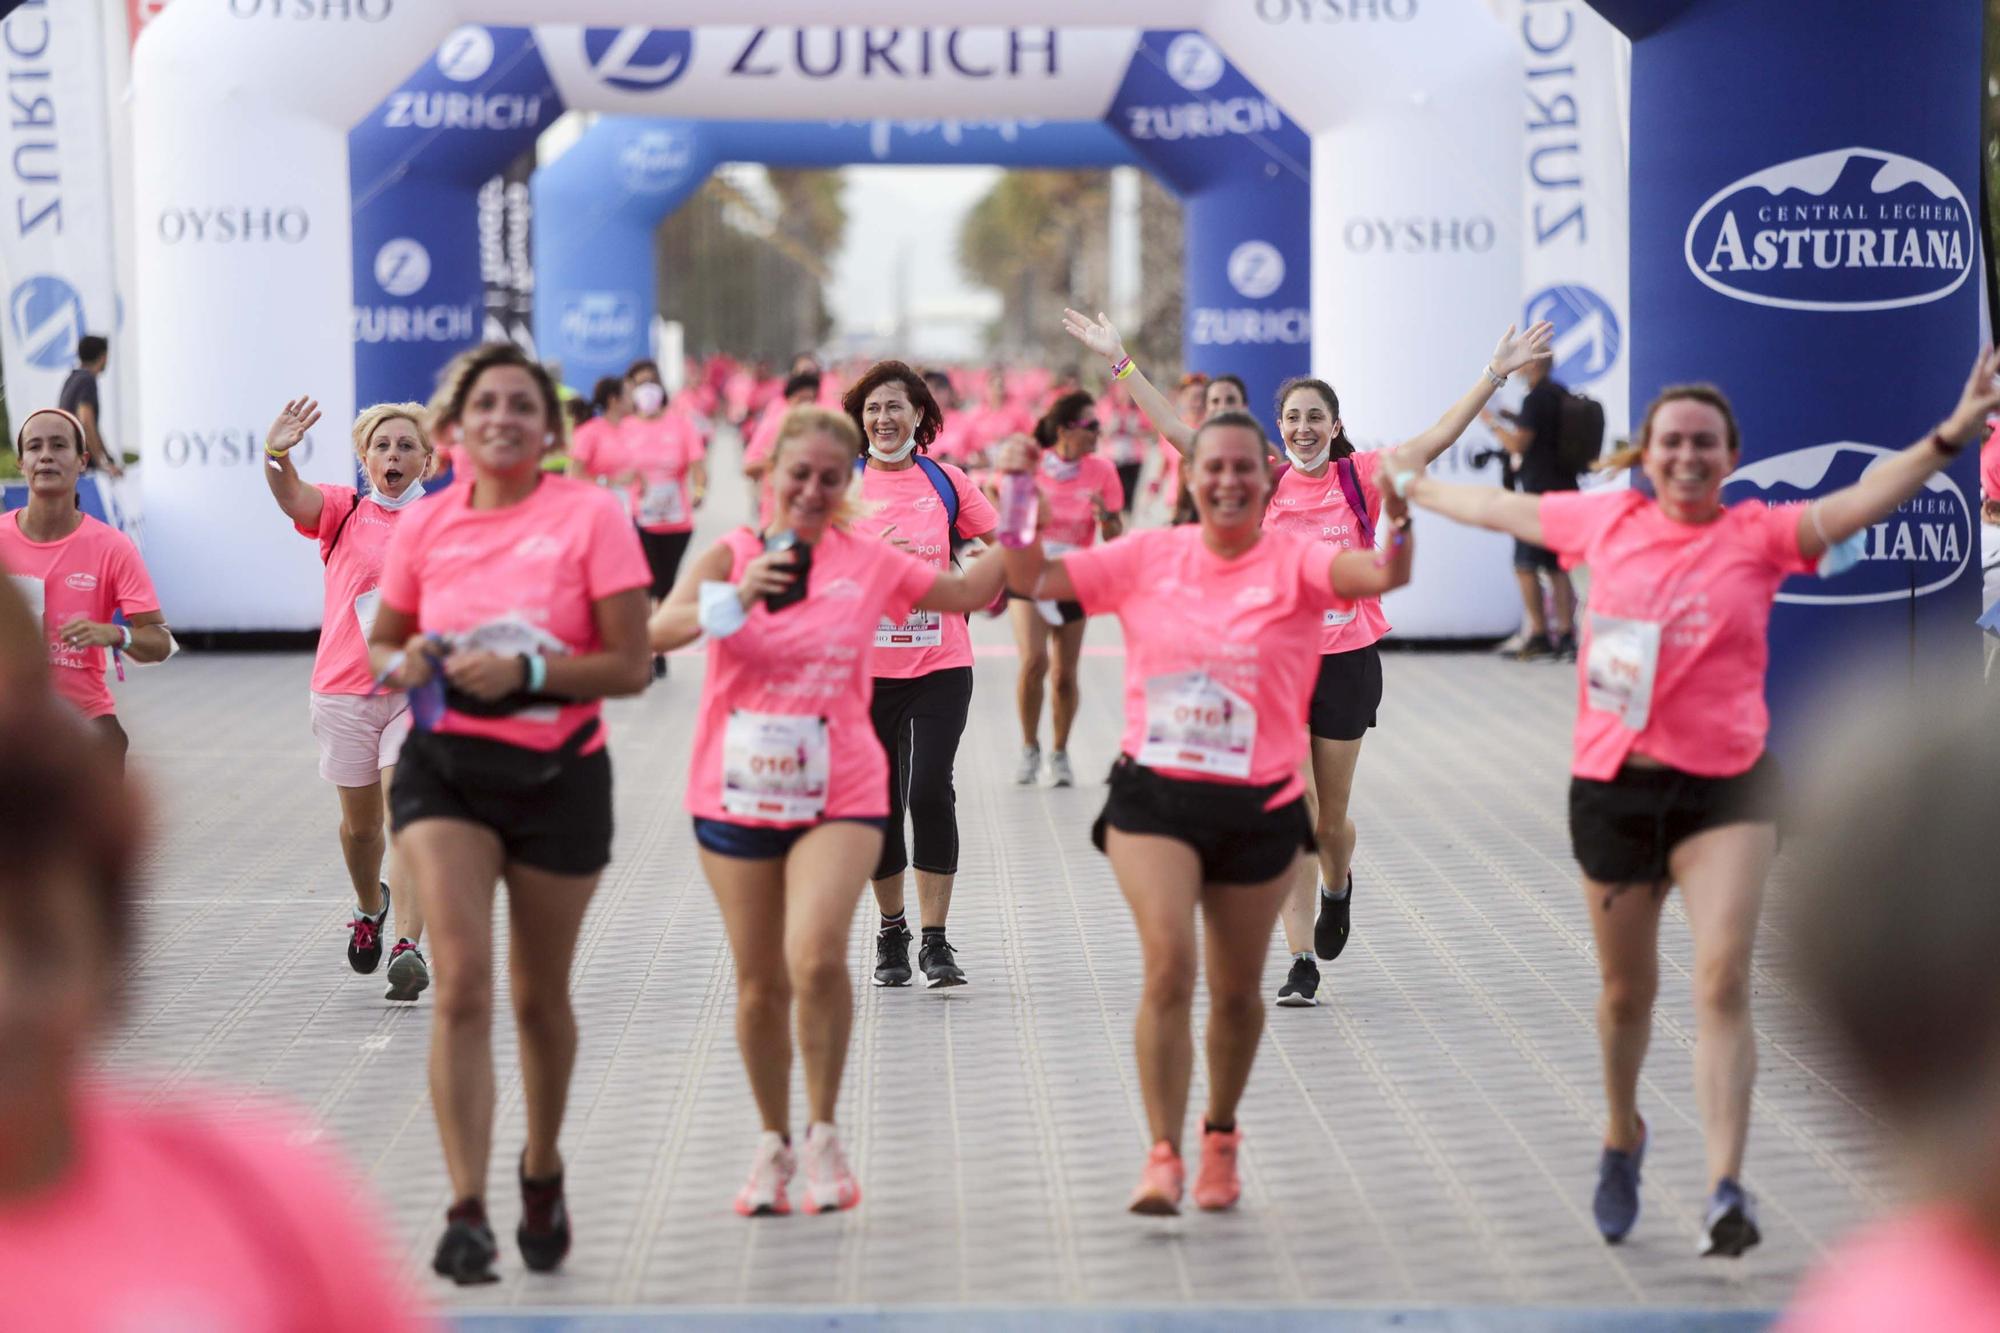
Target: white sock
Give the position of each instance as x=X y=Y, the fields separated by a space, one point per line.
x=1303 y=953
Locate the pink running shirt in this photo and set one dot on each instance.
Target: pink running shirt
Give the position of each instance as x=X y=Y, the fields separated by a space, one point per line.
x=352 y=575
x=1071 y=524
x=194 y=1215
x=1989 y=465
x=798 y=681
x=1694 y=599
x=928 y=640
x=764 y=436
x=91 y=572
x=526 y=574
x=1926 y=1270
x=1243 y=634
x=596 y=446
x=661 y=449
x=1316 y=507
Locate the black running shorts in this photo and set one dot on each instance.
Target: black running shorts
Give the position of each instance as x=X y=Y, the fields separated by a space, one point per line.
x=663 y=558
x=1624 y=831
x=552 y=810
x=1237 y=839
x=1345 y=697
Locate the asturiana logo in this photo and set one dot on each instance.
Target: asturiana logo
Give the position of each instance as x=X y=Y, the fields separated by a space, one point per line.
x=1851 y=229
x=1920 y=549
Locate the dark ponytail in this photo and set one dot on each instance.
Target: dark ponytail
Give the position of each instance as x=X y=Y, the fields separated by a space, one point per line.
x=1342 y=446
x=1065 y=411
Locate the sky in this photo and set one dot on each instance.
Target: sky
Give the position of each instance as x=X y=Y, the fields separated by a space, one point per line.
x=911 y=215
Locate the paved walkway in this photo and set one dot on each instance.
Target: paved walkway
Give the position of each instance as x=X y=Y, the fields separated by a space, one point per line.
x=1426 y=1137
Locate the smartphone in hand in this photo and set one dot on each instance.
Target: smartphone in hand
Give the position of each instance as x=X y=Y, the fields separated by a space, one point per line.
x=801 y=568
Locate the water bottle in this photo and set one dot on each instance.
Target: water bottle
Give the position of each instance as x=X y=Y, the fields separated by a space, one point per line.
x=1020 y=502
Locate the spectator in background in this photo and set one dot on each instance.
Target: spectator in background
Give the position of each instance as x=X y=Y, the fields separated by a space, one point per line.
x=119 y=1210
x=1894 y=928
x=1531 y=438
x=801 y=390
x=79 y=399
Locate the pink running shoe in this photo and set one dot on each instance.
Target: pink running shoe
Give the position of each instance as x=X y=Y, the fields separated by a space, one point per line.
x=1215 y=1183
x=763 y=1195
x=830 y=1186
x=1159 y=1192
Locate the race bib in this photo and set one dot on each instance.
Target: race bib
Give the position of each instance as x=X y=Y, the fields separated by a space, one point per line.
x=509 y=636
x=923 y=629
x=774 y=766
x=33 y=592
x=1195 y=722
x=661 y=503
x=365 y=608
x=1618 y=674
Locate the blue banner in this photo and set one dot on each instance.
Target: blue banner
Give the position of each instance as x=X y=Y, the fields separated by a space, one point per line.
x=1243 y=173
x=1807 y=239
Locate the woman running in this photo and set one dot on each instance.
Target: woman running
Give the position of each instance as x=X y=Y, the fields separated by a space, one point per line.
x=595 y=453
x=1671 y=782
x=75 y=572
x=923 y=665
x=787 y=784
x=519 y=598
x=360 y=730
x=1206 y=807
x=1332 y=494
x=667 y=470
x=1085 y=502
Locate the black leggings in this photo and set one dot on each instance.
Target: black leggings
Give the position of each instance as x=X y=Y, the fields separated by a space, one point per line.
x=919 y=722
x=1128 y=477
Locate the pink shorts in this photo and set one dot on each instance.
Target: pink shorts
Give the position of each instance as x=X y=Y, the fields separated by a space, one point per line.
x=359 y=735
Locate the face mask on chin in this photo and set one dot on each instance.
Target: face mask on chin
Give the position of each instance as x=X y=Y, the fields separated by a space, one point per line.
x=413 y=492
x=896 y=455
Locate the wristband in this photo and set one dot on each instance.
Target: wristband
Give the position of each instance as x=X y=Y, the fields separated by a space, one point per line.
x=1399 y=536
x=722 y=612
x=1493 y=377
x=1399 y=482
x=274 y=453
x=537 y=672
x=127 y=631
x=1945 y=447
x=1122 y=368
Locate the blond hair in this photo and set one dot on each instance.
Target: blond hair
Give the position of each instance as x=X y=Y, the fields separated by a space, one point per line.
x=371 y=419
x=800 y=423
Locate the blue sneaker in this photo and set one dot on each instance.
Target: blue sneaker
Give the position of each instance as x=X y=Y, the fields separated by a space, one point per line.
x=1731 y=1225
x=1616 y=1206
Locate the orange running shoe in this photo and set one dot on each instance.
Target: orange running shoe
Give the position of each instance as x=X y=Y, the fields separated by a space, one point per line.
x=830 y=1186
x=1216 y=1185
x=1159 y=1192
x=763 y=1194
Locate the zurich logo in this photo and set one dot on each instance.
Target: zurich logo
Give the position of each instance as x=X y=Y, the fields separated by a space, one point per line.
x=402 y=267
x=1256 y=270
x=46 y=315
x=1587 y=336
x=466 y=54
x=655 y=160
x=1194 y=63
x=600 y=326
x=1921 y=548
x=638 y=60
x=1852 y=229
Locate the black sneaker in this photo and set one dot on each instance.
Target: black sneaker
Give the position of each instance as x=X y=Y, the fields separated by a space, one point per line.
x=1730 y=1227
x=659 y=666
x=364 y=942
x=544 y=1231
x=1330 y=927
x=940 y=969
x=892 y=957
x=1535 y=648
x=466 y=1251
x=1301 y=988
x=1566 y=647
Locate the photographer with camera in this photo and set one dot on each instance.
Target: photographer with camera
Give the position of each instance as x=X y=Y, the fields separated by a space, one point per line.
x=1535 y=465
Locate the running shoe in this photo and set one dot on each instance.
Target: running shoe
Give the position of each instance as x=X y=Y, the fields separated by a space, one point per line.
x=1330 y=926
x=1301 y=988
x=1510 y=645
x=1159 y=1192
x=1059 y=770
x=409 y=974
x=892 y=957
x=659 y=666
x=1731 y=1225
x=1535 y=648
x=1216 y=1184
x=1029 y=770
x=466 y=1251
x=830 y=1186
x=1616 y=1206
x=939 y=963
x=364 y=941
x=543 y=1234
x=1566 y=647
x=763 y=1194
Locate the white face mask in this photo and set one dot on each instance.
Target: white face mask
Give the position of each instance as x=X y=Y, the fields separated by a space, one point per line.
x=1060 y=468
x=1307 y=462
x=414 y=491
x=648 y=398
x=897 y=455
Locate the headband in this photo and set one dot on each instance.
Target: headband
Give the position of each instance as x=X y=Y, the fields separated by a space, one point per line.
x=21 y=435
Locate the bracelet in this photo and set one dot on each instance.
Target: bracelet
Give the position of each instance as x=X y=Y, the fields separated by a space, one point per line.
x=1493 y=377
x=127 y=631
x=1121 y=369
x=536 y=668
x=1399 y=536
x=1399 y=482
x=274 y=453
x=1939 y=443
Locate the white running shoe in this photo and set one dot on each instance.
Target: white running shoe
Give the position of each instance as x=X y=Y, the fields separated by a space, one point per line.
x=763 y=1194
x=1029 y=770
x=830 y=1186
x=1059 y=770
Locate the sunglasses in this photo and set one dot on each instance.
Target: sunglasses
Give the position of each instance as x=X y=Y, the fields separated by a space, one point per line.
x=1088 y=423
